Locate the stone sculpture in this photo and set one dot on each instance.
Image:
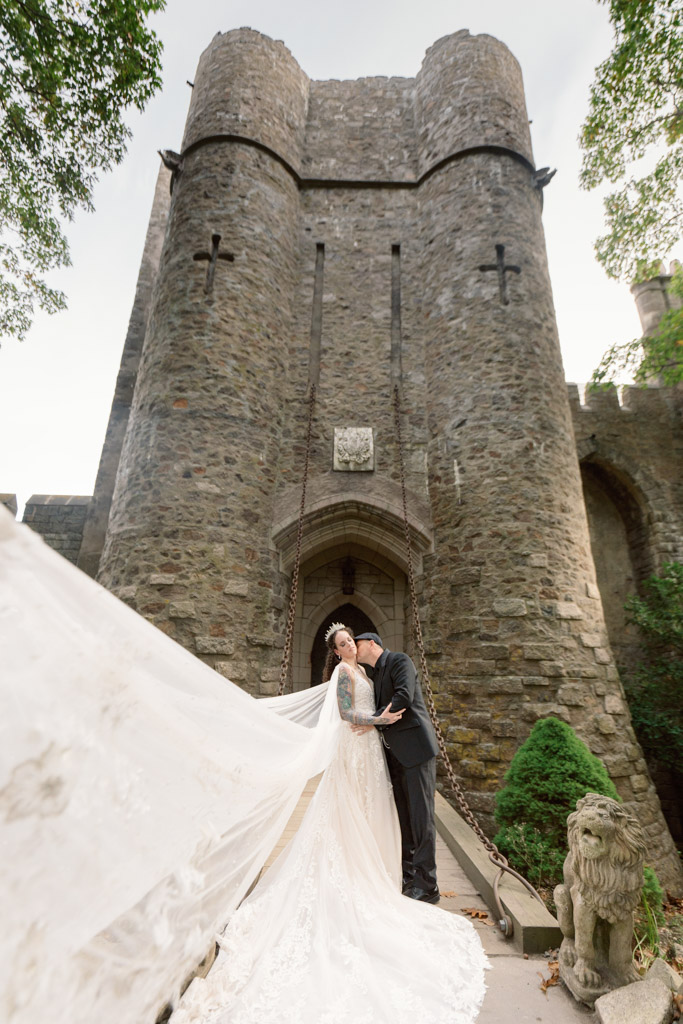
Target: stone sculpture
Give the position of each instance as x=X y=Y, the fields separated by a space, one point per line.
x=603 y=878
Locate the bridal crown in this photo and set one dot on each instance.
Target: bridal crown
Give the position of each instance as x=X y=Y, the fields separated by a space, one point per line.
x=333 y=629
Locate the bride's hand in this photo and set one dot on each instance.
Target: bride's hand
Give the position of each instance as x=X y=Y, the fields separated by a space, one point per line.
x=392 y=716
x=360 y=729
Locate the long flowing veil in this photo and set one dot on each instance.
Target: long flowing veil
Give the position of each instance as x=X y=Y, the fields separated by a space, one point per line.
x=140 y=794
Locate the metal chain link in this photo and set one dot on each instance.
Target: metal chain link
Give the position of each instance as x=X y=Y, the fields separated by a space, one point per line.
x=285 y=671
x=495 y=856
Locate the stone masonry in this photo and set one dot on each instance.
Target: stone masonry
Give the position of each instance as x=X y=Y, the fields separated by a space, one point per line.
x=631 y=457
x=354 y=235
x=60 y=519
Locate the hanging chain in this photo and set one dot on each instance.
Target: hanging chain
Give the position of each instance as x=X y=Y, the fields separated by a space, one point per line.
x=286 y=669
x=495 y=856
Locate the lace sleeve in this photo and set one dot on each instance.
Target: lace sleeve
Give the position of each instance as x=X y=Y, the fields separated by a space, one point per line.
x=346 y=703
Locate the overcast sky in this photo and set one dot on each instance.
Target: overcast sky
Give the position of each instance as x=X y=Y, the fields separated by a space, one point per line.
x=56 y=387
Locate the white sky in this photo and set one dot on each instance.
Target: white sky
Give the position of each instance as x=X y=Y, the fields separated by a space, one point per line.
x=56 y=387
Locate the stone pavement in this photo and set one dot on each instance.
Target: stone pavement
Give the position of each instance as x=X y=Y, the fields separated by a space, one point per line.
x=514 y=994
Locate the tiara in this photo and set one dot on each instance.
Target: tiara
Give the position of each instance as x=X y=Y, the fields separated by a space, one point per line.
x=333 y=629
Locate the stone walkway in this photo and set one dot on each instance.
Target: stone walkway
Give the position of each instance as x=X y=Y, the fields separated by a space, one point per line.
x=514 y=994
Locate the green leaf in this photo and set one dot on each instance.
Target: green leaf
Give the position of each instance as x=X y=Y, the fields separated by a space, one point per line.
x=636 y=112
x=68 y=72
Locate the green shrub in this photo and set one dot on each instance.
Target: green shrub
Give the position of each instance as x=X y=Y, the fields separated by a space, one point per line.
x=548 y=774
x=531 y=853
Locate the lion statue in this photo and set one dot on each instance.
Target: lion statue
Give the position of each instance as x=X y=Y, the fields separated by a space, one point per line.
x=603 y=878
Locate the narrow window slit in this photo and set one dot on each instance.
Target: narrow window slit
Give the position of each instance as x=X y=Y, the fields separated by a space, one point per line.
x=396 y=340
x=317 y=315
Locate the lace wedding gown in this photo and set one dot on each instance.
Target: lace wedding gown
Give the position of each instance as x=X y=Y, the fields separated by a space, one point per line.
x=326 y=937
x=141 y=793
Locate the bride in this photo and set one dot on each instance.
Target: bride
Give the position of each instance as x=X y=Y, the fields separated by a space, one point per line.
x=326 y=936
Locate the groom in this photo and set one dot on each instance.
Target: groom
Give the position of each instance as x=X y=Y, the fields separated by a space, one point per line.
x=411 y=750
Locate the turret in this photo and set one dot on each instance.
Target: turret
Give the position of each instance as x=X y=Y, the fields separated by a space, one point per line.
x=654 y=299
x=188 y=535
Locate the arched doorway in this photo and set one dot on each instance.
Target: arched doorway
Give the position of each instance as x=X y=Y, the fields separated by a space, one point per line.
x=352 y=545
x=620 y=545
x=356 y=620
x=376 y=590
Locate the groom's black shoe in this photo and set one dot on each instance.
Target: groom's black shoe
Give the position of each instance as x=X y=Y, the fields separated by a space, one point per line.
x=414 y=892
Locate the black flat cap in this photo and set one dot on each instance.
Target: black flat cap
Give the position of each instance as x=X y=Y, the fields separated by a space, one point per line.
x=369 y=636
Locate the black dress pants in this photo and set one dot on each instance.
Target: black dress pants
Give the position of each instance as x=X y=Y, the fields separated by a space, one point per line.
x=414 y=796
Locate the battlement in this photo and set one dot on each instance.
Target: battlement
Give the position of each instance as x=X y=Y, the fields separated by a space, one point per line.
x=59 y=519
x=627 y=401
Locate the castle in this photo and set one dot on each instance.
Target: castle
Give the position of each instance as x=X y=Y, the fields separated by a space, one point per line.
x=357 y=235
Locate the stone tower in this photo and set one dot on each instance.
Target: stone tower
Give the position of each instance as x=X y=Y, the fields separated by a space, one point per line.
x=355 y=235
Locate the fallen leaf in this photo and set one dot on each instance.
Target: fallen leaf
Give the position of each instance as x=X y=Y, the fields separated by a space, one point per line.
x=448 y=892
x=554 y=978
x=478 y=915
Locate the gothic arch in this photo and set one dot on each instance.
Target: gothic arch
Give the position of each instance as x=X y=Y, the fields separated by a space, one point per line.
x=619 y=522
x=374 y=521
x=622 y=487
x=313 y=608
x=621 y=471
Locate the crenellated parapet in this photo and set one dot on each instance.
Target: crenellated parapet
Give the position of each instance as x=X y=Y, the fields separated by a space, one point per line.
x=59 y=519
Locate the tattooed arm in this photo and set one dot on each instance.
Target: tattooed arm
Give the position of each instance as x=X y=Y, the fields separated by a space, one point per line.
x=347 y=710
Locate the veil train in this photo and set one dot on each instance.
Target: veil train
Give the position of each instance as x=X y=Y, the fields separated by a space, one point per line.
x=140 y=794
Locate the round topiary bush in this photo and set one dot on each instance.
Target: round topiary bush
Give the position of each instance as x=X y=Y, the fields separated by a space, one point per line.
x=548 y=774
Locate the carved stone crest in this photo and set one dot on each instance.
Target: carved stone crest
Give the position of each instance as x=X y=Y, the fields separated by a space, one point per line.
x=353 y=449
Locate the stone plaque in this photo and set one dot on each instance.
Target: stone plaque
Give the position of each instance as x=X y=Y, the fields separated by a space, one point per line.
x=354 y=449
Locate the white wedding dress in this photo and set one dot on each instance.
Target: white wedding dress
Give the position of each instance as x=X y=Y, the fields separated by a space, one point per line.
x=140 y=795
x=326 y=937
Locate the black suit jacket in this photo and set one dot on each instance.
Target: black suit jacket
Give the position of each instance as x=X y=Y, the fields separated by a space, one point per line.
x=411 y=740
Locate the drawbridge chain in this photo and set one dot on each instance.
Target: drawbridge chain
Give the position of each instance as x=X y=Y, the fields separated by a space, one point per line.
x=286 y=669
x=495 y=856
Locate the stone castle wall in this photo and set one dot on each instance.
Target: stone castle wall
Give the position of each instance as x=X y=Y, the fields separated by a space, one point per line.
x=95 y=527
x=188 y=535
x=59 y=519
x=631 y=455
x=363 y=224
x=637 y=445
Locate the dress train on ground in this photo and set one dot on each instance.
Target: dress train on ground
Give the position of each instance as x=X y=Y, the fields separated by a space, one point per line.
x=326 y=936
